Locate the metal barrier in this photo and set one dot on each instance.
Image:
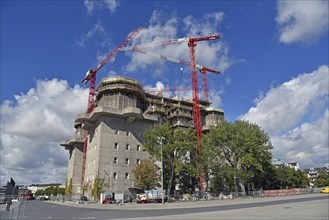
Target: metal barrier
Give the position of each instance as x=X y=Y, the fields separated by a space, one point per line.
x=13 y=210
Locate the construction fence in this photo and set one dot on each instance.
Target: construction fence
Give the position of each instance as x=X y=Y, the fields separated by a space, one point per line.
x=277 y=192
x=249 y=194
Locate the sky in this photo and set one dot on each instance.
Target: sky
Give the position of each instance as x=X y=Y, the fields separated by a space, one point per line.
x=273 y=58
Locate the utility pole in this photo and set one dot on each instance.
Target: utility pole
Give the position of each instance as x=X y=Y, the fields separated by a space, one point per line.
x=162 y=177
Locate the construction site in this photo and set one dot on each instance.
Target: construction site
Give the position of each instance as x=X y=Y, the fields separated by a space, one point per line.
x=108 y=140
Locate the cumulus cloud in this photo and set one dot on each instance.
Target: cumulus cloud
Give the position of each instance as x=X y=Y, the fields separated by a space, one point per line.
x=93 y=5
x=97 y=34
x=213 y=54
x=32 y=127
x=302 y=21
x=295 y=115
x=307 y=143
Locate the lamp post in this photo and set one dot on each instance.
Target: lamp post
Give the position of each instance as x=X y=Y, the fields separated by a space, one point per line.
x=107 y=184
x=163 y=196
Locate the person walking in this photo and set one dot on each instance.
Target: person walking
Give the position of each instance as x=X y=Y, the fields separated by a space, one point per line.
x=9 y=203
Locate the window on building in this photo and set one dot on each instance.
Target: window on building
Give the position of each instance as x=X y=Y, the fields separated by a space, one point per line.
x=138 y=147
x=126 y=176
x=127 y=160
x=115 y=176
x=116 y=145
x=138 y=161
x=116 y=131
x=127 y=146
x=116 y=160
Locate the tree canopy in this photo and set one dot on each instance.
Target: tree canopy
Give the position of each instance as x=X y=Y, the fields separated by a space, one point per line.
x=147 y=175
x=177 y=146
x=235 y=154
x=322 y=180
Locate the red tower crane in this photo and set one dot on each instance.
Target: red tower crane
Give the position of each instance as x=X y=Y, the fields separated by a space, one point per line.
x=195 y=92
x=201 y=68
x=91 y=77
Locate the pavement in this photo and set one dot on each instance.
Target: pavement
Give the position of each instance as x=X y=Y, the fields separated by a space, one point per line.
x=302 y=207
x=280 y=208
x=187 y=204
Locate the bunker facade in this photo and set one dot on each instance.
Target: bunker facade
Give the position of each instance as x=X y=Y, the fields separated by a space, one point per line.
x=123 y=111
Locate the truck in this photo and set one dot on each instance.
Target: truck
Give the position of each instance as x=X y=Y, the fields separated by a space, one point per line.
x=117 y=198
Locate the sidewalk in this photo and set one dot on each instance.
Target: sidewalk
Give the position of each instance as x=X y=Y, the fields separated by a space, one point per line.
x=179 y=205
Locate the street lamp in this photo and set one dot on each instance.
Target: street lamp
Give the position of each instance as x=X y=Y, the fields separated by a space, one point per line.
x=107 y=184
x=161 y=138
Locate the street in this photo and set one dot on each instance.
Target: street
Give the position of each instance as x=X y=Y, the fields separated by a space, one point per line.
x=306 y=207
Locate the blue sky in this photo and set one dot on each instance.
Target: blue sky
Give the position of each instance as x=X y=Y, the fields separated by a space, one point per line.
x=273 y=56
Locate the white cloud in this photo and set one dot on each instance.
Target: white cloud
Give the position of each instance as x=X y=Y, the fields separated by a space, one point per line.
x=97 y=34
x=295 y=115
x=307 y=143
x=213 y=54
x=111 y=5
x=203 y=26
x=302 y=21
x=93 y=5
x=215 y=97
x=32 y=127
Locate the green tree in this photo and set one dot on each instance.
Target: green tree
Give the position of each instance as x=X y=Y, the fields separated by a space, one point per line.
x=177 y=146
x=68 y=187
x=147 y=175
x=241 y=147
x=97 y=188
x=86 y=187
x=49 y=191
x=39 y=192
x=322 y=180
x=284 y=177
x=300 y=179
x=223 y=180
x=61 y=191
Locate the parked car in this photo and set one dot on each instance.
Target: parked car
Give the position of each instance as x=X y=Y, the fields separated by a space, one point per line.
x=83 y=198
x=325 y=190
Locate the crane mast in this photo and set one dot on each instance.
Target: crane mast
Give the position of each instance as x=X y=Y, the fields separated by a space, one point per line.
x=195 y=92
x=195 y=96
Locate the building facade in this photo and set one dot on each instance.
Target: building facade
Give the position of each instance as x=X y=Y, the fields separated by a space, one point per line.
x=123 y=111
x=313 y=173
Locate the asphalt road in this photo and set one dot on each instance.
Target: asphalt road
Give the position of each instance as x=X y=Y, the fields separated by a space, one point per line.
x=293 y=207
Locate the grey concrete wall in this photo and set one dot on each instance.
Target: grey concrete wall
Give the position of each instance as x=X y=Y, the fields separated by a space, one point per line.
x=74 y=168
x=108 y=141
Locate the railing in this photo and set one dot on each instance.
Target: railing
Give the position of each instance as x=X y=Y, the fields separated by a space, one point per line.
x=13 y=209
